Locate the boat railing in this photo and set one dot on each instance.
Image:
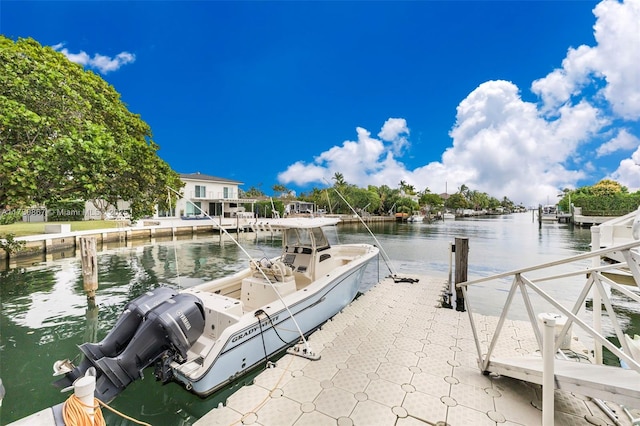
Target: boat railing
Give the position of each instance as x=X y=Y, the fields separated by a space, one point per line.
x=617 y=229
x=597 y=283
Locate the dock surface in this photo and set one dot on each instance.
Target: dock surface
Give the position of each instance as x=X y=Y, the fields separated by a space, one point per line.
x=394 y=357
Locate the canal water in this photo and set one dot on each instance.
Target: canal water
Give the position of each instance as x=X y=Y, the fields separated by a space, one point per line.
x=45 y=315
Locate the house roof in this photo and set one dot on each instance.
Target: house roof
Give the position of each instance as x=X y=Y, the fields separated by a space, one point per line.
x=201 y=176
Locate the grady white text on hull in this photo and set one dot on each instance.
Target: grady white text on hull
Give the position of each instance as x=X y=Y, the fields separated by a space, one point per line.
x=208 y=335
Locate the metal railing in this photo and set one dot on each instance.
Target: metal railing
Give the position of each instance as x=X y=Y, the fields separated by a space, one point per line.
x=595 y=283
x=214 y=195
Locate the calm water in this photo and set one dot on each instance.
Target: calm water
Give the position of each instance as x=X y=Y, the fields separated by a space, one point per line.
x=44 y=314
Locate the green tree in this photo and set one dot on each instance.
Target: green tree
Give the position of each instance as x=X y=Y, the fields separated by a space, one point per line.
x=66 y=135
x=456 y=201
x=406 y=205
x=253 y=192
x=608 y=187
x=605 y=198
x=464 y=191
x=339 y=178
x=281 y=190
x=433 y=201
x=507 y=203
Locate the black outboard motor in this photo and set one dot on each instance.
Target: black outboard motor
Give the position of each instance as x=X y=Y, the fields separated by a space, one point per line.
x=120 y=334
x=173 y=326
x=167 y=331
x=127 y=324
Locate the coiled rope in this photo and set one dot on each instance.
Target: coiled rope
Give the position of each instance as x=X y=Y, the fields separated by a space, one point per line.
x=74 y=414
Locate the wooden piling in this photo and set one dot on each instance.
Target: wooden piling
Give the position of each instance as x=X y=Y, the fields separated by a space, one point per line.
x=540 y=216
x=462 y=267
x=89 y=256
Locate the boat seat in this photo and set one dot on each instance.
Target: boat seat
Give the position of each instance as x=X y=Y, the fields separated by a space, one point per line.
x=220 y=312
x=256 y=291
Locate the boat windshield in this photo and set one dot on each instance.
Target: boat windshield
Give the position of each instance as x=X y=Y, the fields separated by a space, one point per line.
x=320 y=238
x=303 y=237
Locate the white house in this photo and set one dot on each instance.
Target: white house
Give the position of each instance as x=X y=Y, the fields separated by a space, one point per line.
x=210 y=195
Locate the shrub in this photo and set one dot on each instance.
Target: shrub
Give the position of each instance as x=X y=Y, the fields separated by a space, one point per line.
x=9 y=217
x=9 y=244
x=65 y=211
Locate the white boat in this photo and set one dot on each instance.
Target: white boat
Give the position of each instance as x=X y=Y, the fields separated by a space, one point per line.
x=208 y=335
x=549 y=213
x=416 y=217
x=620 y=230
x=448 y=216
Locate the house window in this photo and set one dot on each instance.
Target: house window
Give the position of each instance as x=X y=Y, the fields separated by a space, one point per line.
x=201 y=191
x=193 y=210
x=225 y=192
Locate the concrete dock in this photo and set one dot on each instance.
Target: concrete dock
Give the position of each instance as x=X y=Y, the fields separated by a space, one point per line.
x=394 y=357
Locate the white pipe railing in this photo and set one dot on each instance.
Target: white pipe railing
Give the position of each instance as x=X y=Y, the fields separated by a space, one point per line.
x=594 y=284
x=548 y=356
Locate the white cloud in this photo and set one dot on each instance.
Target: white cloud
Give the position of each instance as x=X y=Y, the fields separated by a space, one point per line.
x=505 y=146
x=356 y=160
x=104 y=64
x=615 y=59
x=622 y=141
x=559 y=86
x=395 y=130
x=617 y=31
x=628 y=173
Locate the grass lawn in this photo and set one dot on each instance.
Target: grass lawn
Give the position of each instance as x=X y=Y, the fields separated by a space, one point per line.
x=21 y=229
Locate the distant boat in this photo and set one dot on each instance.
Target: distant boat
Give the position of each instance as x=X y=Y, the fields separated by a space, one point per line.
x=549 y=213
x=401 y=217
x=448 y=216
x=416 y=217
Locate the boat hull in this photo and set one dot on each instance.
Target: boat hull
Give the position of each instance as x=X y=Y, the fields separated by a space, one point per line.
x=245 y=346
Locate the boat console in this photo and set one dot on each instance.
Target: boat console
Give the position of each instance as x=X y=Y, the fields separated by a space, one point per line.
x=257 y=291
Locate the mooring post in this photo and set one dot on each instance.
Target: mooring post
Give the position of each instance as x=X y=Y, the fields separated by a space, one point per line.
x=548 y=373
x=84 y=389
x=539 y=215
x=461 y=248
x=89 y=256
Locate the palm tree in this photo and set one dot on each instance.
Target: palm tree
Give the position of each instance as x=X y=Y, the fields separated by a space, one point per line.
x=280 y=189
x=406 y=188
x=463 y=190
x=339 y=178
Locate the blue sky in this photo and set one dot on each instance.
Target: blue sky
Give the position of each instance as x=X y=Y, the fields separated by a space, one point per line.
x=513 y=98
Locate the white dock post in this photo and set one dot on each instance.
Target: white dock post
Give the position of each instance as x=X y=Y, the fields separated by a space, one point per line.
x=597 y=301
x=548 y=374
x=83 y=389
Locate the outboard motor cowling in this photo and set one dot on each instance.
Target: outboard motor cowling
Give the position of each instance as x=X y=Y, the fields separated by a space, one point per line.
x=172 y=326
x=167 y=331
x=127 y=324
x=121 y=333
